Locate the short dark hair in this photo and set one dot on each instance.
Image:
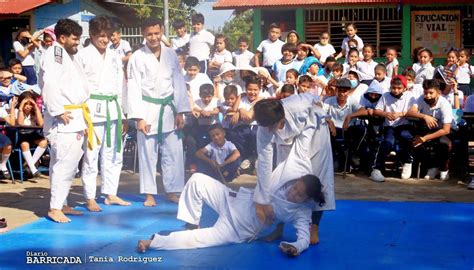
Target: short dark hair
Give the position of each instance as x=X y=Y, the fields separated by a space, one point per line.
x=428 y=84
x=178 y=24
x=353 y=50
x=330 y=59
x=252 y=80
x=206 y=89
x=191 y=61
x=67 y=27
x=197 y=18
x=381 y=67
x=215 y=126
x=268 y=112
x=304 y=78
x=221 y=36
x=273 y=25
x=288 y=88
x=294 y=72
x=230 y=90
x=409 y=72
x=314 y=188
x=99 y=24
x=289 y=47
x=150 y=22
x=13 y=62
x=338 y=67
x=243 y=39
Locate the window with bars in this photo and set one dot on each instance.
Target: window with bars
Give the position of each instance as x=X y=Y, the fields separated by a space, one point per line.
x=379 y=26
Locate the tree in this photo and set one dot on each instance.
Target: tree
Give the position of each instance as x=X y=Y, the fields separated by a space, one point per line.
x=239 y=25
x=178 y=9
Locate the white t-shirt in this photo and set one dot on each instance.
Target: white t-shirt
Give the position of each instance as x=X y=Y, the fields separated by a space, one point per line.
x=200 y=44
x=179 y=42
x=122 y=49
x=325 y=51
x=242 y=60
x=388 y=103
x=359 y=91
x=451 y=97
x=271 y=51
x=345 y=45
x=417 y=90
x=464 y=73
x=28 y=60
x=366 y=69
x=222 y=57
x=425 y=72
x=247 y=105
x=385 y=84
x=27 y=120
x=280 y=69
x=391 y=67
x=441 y=111
x=195 y=84
x=338 y=113
x=220 y=154
x=207 y=121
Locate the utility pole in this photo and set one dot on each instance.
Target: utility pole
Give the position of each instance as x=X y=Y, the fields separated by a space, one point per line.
x=166 y=16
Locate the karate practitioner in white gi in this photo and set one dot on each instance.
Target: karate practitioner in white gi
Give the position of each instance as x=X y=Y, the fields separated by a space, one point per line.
x=294 y=193
x=286 y=122
x=157 y=100
x=103 y=70
x=66 y=115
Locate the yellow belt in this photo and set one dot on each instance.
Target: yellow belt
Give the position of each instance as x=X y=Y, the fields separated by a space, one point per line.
x=87 y=118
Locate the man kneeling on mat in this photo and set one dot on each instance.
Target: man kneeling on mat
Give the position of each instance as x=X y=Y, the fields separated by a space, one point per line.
x=292 y=201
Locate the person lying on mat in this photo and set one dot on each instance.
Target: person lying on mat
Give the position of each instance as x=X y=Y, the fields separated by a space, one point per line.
x=292 y=202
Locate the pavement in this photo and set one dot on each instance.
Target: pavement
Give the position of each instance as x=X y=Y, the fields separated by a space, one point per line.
x=23 y=203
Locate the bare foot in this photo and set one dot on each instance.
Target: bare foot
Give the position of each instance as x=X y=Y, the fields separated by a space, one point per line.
x=143 y=245
x=276 y=234
x=314 y=238
x=112 y=199
x=172 y=197
x=92 y=206
x=58 y=216
x=149 y=201
x=70 y=211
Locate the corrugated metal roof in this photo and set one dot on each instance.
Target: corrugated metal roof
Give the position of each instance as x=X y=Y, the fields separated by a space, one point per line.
x=16 y=7
x=234 y=4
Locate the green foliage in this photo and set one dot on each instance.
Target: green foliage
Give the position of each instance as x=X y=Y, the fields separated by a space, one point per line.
x=239 y=25
x=178 y=9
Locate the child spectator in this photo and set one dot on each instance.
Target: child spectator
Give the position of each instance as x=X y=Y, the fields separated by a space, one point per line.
x=182 y=61
x=330 y=62
x=464 y=71
x=449 y=90
x=181 y=42
x=371 y=97
x=230 y=115
x=193 y=76
x=5 y=142
x=351 y=31
x=305 y=83
x=313 y=68
x=288 y=50
x=292 y=37
x=16 y=69
x=226 y=77
x=270 y=48
x=286 y=91
x=338 y=108
x=29 y=114
x=292 y=77
x=120 y=46
x=367 y=65
x=24 y=46
x=200 y=42
x=220 y=159
x=324 y=47
x=426 y=70
x=242 y=57
x=352 y=62
x=416 y=59
x=205 y=110
x=415 y=89
x=220 y=56
x=6 y=86
x=330 y=89
x=452 y=59
x=391 y=62
x=357 y=89
x=393 y=106
x=303 y=51
x=380 y=76
x=337 y=70
x=438 y=115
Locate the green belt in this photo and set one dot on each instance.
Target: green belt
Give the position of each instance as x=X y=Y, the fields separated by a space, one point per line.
x=167 y=101
x=118 y=130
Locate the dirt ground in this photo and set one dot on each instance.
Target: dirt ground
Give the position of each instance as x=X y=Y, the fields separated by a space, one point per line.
x=24 y=203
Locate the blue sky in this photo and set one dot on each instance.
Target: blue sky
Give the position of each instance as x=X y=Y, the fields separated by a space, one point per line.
x=214 y=18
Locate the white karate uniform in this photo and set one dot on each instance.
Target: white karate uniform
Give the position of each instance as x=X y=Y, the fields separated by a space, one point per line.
x=153 y=78
x=304 y=118
x=63 y=83
x=104 y=77
x=237 y=220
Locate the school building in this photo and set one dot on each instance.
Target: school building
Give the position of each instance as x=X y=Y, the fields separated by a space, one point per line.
x=400 y=24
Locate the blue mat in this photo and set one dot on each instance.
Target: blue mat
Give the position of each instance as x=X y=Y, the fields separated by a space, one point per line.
x=358 y=235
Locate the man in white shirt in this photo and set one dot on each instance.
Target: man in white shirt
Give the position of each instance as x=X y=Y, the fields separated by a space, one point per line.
x=66 y=116
x=200 y=42
x=270 y=48
x=104 y=73
x=157 y=100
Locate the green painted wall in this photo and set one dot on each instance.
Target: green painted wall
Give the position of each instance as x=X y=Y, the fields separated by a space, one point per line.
x=257 y=28
x=300 y=22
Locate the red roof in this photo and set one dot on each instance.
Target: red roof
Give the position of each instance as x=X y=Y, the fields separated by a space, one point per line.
x=247 y=4
x=234 y=4
x=16 y=7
